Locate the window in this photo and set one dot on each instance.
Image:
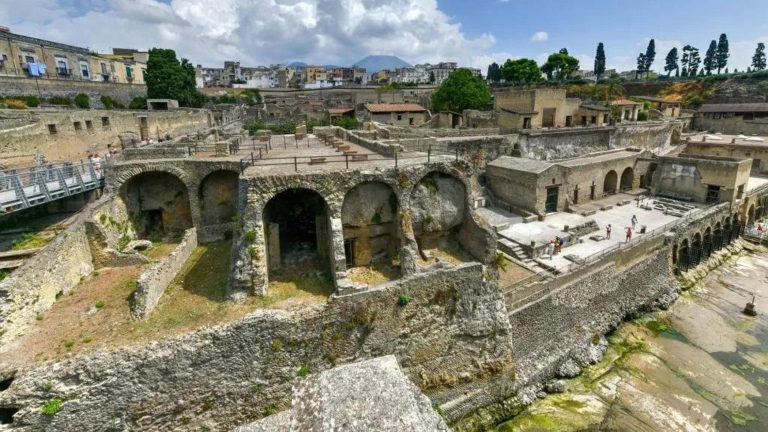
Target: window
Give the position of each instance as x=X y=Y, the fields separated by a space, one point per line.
x=62 y=68
x=29 y=59
x=399 y=117
x=568 y=121
x=104 y=69
x=593 y=120
x=740 y=192
x=128 y=72
x=105 y=122
x=89 y=125
x=713 y=194
x=52 y=129
x=85 y=71
x=411 y=121
x=526 y=123
x=78 y=126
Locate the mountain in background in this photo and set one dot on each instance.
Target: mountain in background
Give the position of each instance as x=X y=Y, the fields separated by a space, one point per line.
x=297 y=64
x=375 y=63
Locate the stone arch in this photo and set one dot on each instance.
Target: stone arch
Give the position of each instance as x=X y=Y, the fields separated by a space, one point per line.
x=627 y=179
x=157 y=203
x=696 y=250
x=674 y=254
x=706 y=243
x=123 y=175
x=683 y=258
x=218 y=197
x=369 y=216
x=727 y=231
x=610 y=182
x=751 y=215
x=438 y=209
x=717 y=237
x=297 y=229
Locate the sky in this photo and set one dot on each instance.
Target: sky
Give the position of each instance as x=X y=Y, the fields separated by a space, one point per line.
x=471 y=32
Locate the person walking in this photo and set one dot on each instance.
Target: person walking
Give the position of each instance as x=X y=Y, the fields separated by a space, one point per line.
x=629 y=234
x=558 y=245
x=551 y=248
x=760 y=230
x=608 y=231
x=634 y=222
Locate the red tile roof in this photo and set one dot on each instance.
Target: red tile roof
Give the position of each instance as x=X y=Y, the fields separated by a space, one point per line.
x=391 y=107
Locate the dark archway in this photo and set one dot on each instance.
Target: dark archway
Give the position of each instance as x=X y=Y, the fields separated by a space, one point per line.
x=218 y=197
x=727 y=232
x=610 y=182
x=627 y=179
x=706 y=243
x=696 y=250
x=298 y=234
x=717 y=237
x=674 y=254
x=751 y=215
x=371 y=229
x=683 y=258
x=158 y=204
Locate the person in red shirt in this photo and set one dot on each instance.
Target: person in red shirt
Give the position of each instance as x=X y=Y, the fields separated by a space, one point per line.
x=629 y=234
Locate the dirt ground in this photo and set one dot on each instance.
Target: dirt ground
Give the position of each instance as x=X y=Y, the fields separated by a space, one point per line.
x=97 y=314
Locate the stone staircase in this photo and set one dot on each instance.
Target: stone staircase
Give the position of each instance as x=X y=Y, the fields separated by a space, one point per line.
x=516 y=251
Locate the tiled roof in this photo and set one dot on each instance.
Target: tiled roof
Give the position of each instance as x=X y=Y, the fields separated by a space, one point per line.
x=387 y=108
x=595 y=107
x=340 y=110
x=657 y=99
x=624 y=102
x=518 y=111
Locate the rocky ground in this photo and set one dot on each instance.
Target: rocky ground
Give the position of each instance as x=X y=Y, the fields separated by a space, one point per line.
x=701 y=366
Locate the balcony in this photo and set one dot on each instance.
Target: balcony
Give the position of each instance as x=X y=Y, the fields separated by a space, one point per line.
x=63 y=72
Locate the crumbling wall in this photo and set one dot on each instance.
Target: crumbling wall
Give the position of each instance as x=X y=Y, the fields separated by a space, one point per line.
x=654 y=136
x=34 y=287
x=450 y=333
x=148 y=153
x=152 y=283
x=23 y=86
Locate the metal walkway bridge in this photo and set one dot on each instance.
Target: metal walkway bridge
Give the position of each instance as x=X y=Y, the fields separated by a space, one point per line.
x=28 y=187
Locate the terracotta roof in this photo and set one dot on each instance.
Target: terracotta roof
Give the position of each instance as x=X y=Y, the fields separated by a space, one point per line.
x=624 y=102
x=735 y=107
x=340 y=110
x=391 y=107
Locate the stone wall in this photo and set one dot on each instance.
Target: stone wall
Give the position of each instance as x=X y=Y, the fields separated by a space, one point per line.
x=732 y=125
x=34 y=287
x=71 y=134
x=152 y=283
x=148 y=153
x=22 y=86
x=450 y=336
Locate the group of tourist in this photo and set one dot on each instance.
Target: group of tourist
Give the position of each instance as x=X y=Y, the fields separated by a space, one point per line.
x=628 y=230
x=555 y=246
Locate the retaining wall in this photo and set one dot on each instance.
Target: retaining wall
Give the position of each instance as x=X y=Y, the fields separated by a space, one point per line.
x=22 y=86
x=152 y=283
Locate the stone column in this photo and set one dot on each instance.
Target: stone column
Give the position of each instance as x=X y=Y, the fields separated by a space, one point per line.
x=274 y=260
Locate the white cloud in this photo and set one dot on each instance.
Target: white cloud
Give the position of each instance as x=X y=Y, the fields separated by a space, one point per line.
x=258 y=32
x=540 y=36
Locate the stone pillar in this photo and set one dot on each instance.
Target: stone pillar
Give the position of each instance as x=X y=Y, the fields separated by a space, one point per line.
x=634 y=113
x=338 y=260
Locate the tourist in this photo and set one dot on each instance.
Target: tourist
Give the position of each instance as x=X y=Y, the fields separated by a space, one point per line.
x=608 y=231
x=558 y=245
x=634 y=222
x=629 y=234
x=96 y=162
x=760 y=230
x=551 y=248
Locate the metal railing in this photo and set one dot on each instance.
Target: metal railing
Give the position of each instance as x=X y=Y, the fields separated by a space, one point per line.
x=28 y=187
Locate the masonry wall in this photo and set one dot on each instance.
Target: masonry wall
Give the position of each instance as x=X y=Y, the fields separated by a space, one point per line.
x=22 y=86
x=732 y=125
x=758 y=153
x=452 y=335
x=152 y=283
x=35 y=286
x=23 y=132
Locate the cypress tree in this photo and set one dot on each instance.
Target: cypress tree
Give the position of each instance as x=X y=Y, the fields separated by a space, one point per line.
x=721 y=55
x=710 y=62
x=650 y=56
x=600 y=61
x=672 y=62
x=758 y=60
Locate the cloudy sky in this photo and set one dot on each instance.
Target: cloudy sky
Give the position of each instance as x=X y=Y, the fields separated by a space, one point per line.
x=472 y=32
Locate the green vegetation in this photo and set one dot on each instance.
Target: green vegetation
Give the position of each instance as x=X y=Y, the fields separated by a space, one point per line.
x=68 y=344
x=404 y=299
x=4 y=274
x=250 y=235
x=303 y=371
x=521 y=71
x=560 y=66
x=348 y=123
x=758 y=59
x=460 y=91
x=82 y=101
x=87 y=339
x=494 y=73
x=110 y=103
x=39 y=317
x=599 y=67
x=60 y=100
x=167 y=78
x=29 y=241
x=100 y=304
x=51 y=407
x=722 y=54
x=671 y=62
x=270 y=409
x=138 y=103
x=277 y=345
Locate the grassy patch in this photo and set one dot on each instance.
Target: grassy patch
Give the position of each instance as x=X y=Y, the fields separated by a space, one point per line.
x=29 y=241
x=51 y=407
x=159 y=250
x=303 y=371
x=100 y=304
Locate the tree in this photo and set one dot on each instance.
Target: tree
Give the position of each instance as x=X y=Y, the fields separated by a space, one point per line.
x=610 y=90
x=432 y=78
x=523 y=71
x=640 y=65
x=560 y=66
x=494 y=72
x=82 y=101
x=563 y=51
x=709 y=58
x=758 y=60
x=672 y=62
x=694 y=61
x=600 y=61
x=650 y=56
x=460 y=91
x=167 y=78
x=721 y=54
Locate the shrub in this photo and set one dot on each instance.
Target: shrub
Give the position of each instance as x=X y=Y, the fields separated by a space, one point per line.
x=303 y=371
x=100 y=304
x=404 y=299
x=32 y=101
x=60 y=100
x=138 y=102
x=39 y=317
x=642 y=116
x=82 y=101
x=110 y=103
x=270 y=409
x=250 y=235
x=51 y=406
x=15 y=104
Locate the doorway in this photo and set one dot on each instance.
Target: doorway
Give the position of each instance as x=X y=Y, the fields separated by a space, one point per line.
x=548 y=117
x=551 y=204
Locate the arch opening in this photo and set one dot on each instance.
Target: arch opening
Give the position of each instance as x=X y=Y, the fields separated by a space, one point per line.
x=706 y=243
x=218 y=195
x=609 y=184
x=683 y=259
x=369 y=217
x=438 y=206
x=297 y=229
x=717 y=237
x=627 y=179
x=696 y=250
x=158 y=205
